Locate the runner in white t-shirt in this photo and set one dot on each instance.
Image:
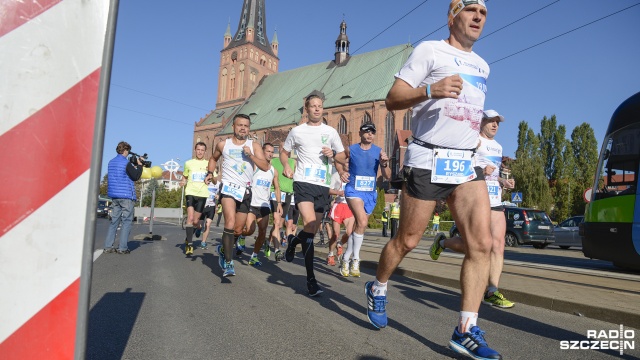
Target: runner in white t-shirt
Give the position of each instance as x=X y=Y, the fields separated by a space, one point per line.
x=490 y=159
x=315 y=143
x=239 y=155
x=444 y=82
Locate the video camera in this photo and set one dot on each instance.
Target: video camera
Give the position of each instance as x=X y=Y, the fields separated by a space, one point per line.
x=134 y=159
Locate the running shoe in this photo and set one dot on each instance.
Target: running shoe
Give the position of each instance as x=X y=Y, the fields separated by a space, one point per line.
x=267 y=251
x=188 y=249
x=291 y=249
x=314 y=289
x=229 y=269
x=472 y=343
x=339 y=249
x=279 y=255
x=255 y=262
x=109 y=250
x=203 y=245
x=198 y=232
x=376 y=307
x=354 y=270
x=221 y=260
x=331 y=261
x=497 y=299
x=436 y=249
x=240 y=246
x=344 y=268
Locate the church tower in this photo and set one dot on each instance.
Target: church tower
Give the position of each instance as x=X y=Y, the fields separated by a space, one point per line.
x=246 y=57
x=342 y=45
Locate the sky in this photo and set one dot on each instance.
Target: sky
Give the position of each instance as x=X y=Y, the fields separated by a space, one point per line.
x=167 y=55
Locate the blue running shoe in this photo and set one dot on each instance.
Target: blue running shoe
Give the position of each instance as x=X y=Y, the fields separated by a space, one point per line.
x=198 y=232
x=221 y=259
x=376 y=305
x=229 y=269
x=472 y=343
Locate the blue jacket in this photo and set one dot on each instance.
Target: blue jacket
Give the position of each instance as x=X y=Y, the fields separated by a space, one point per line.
x=120 y=185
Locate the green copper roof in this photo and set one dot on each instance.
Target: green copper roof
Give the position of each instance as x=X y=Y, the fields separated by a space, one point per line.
x=278 y=100
x=217 y=115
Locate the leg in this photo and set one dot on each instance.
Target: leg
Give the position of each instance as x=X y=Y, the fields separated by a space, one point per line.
x=127 y=218
x=263 y=223
x=229 y=211
x=116 y=218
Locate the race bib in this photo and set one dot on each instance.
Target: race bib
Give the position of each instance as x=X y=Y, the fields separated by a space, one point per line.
x=235 y=191
x=198 y=176
x=315 y=173
x=365 y=183
x=494 y=191
x=452 y=166
x=263 y=183
x=283 y=196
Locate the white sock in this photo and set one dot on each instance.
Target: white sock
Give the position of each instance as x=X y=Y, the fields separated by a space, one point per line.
x=347 y=253
x=253 y=255
x=468 y=320
x=330 y=253
x=357 y=244
x=379 y=288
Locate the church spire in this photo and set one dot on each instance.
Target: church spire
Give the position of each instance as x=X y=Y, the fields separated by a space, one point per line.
x=342 y=45
x=227 y=35
x=252 y=26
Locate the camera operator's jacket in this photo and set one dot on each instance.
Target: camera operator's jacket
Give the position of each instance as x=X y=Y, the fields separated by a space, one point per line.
x=121 y=175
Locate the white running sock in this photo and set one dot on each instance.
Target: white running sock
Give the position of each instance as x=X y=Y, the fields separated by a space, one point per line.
x=468 y=320
x=357 y=244
x=379 y=289
x=347 y=253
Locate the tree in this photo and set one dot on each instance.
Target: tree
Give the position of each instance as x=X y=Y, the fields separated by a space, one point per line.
x=551 y=141
x=374 y=219
x=104 y=185
x=585 y=152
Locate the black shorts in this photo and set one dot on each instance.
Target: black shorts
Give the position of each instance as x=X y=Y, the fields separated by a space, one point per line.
x=317 y=194
x=498 y=208
x=243 y=206
x=260 y=211
x=208 y=213
x=293 y=214
x=418 y=184
x=285 y=205
x=196 y=202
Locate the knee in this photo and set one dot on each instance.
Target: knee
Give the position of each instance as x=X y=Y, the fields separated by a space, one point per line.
x=404 y=244
x=479 y=245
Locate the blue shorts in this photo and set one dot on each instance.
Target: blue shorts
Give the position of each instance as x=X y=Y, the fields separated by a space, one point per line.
x=370 y=198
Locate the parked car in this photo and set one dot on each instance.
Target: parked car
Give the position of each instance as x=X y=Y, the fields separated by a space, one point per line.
x=103 y=209
x=524 y=227
x=567 y=232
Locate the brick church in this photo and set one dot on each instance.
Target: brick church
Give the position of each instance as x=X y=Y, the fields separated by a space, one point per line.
x=353 y=88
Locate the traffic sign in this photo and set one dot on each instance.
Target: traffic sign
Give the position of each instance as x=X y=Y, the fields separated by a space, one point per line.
x=587 y=194
x=516 y=197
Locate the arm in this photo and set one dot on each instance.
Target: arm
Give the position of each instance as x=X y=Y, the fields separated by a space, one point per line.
x=134 y=172
x=403 y=96
x=284 y=159
x=384 y=165
x=257 y=156
x=213 y=162
x=340 y=163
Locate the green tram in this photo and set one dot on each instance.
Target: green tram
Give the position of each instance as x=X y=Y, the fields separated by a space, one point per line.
x=611 y=229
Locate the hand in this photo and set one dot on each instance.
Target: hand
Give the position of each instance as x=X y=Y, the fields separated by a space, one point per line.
x=326 y=151
x=384 y=158
x=449 y=87
x=183 y=182
x=287 y=172
x=509 y=183
x=489 y=169
x=344 y=177
x=247 y=150
x=279 y=209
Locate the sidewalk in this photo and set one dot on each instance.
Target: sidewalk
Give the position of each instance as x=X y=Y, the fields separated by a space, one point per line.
x=588 y=293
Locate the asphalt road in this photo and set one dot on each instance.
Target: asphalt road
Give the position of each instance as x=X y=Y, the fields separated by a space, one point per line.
x=155 y=303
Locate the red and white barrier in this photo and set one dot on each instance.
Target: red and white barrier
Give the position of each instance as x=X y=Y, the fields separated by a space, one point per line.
x=50 y=61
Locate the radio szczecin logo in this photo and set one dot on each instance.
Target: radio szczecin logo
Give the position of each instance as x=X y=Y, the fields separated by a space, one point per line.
x=622 y=339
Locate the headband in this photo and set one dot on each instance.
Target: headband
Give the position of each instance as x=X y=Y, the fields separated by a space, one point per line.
x=457 y=5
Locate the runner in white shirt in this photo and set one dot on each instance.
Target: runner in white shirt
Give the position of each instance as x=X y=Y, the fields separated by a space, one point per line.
x=490 y=159
x=239 y=155
x=209 y=212
x=315 y=143
x=444 y=82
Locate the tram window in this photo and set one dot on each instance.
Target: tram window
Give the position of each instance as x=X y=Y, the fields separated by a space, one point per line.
x=618 y=174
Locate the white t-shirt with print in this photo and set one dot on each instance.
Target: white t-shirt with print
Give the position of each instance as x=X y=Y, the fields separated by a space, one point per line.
x=313 y=167
x=490 y=153
x=450 y=123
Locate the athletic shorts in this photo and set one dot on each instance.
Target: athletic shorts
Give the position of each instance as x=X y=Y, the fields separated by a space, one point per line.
x=418 y=184
x=208 y=213
x=260 y=211
x=370 y=198
x=317 y=194
x=285 y=205
x=243 y=206
x=196 y=202
x=498 y=208
x=340 y=212
x=293 y=214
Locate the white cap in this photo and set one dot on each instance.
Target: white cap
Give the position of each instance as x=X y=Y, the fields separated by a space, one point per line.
x=490 y=114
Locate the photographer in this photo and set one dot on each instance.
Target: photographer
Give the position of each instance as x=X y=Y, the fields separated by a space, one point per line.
x=121 y=176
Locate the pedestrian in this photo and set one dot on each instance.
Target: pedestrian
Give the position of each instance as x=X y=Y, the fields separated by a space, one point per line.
x=360 y=176
x=196 y=194
x=239 y=154
x=384 y=218
x=219 y=212
x=436 y=222
x=315 y=143
x=395 y=216
x=490 y=159
x=261 y=207
x=340 y=214
x=444 y=83
x=208 y=213
x=286 y=193
x=121 y=189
